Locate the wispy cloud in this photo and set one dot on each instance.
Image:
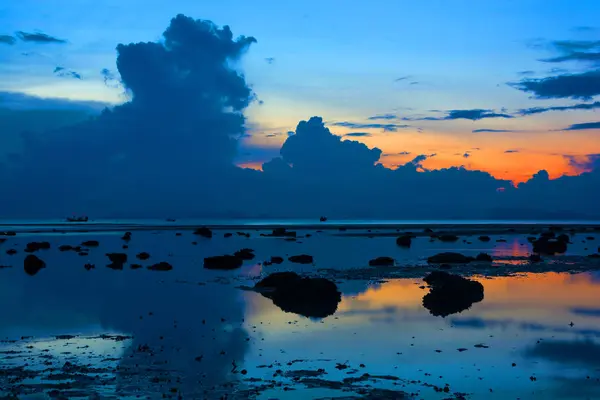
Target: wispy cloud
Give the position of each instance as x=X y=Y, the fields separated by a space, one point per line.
x=358 y=134
x=511 y=151
x=39 y=37
x=65 y=73
x=7 y=39
x=576 y=86
x=402 y=78
x=382 y=117
x=583 y=126
x=492 y=130
x=472 y=114
x=539 y=110
x=358 y=125
x=270 y=60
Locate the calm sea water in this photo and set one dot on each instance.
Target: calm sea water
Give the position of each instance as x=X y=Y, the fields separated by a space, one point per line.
x=189 y=331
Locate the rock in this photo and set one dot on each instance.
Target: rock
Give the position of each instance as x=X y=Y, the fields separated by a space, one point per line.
x=2 y=240
x=11 y=252
x=117 y=260
x=135 y=266
x=596 y=255
x=310 y=297
x=8 y=233
x=280 y=232
x=127 y=236
x=228 y=235
x=428 y=230
x=445 y=266
x=449 y=258
x=450 y=294
x=276 y=260
x=323 y=219
x=90 y=243
x=204 y=232
x=549 y=246
x=484 y=257
x=484 y=238
x=563 y=238
x=404 y=241
x=245 y=254
x=32 y=265
x=548 y=235
x=301 y=259
x=161 y=266
x=226 y=262
x=143 y=256
x=66 y=247
x=35 y=246
x=448 y=238
x=535 y=258
x=531 y=239
x=590 y=238
x=382 y=262
x=500 y=240
x=89 y=266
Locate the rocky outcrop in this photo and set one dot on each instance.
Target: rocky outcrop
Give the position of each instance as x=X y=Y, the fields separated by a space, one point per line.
x=404 y=241
x=225 y=262
x=449 y=258
x=382 y=262
x=33 y=264
x=450 y=294
x=204 y=232
x=301 y=259
x=310 y=297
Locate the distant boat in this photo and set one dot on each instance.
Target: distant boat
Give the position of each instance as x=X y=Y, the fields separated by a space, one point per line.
x=77 y=219
x=323 y=219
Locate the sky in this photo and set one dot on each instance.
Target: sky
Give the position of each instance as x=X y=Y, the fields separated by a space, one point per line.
x=504 y=87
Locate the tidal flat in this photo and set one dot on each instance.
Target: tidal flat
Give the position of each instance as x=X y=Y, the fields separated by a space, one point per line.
x=319 y=311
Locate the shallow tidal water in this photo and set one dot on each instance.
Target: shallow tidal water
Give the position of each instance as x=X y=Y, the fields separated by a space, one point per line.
x=194 y=333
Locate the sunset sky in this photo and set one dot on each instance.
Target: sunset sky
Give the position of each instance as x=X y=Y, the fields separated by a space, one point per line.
x=387 y=73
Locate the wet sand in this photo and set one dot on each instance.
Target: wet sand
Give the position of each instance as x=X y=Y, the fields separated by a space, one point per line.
x=75 y=332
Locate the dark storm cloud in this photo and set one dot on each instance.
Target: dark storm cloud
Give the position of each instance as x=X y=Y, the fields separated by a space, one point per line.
x=492 y=130
x=539 y=110
x=383 y=117
x=583 y=126
x=39 y=38
x=473 y=115
x=358 y=125
x=576 y=86
x=358 y=134
x=7 y=39
x=170 y=151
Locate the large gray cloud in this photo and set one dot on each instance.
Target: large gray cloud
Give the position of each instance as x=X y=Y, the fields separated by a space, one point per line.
x=576 y=86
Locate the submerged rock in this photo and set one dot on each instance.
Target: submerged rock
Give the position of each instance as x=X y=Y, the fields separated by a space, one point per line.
x=310 y=297
x=448 y=238
x=382 y=262
x=228 y=235
x=450 y=294
x=404 y=241
x=35 y=246
x=245 y=254
x=563 y=238
x=89 y=266
x=484 y=257
x=280 y=232
x=225 y=262
x=449 y=258
x=204 y=232
x=11 y=252
x=117 y=260
x=33 y=264
x=276 y=260
x=91 y=243
x=127 y=236
x=484 y=238
x=143 y=256
x=161 y=266
x=301 y=259
x=549 y=246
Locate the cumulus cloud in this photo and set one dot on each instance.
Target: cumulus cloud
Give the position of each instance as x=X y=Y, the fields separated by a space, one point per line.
x=358 y=125
x=586 y=163
x=7 y=39
x=38 y=37
x=583 y=126
x=171 y=151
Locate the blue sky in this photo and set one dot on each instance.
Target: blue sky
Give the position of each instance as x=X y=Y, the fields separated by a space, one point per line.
x=336 y=59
